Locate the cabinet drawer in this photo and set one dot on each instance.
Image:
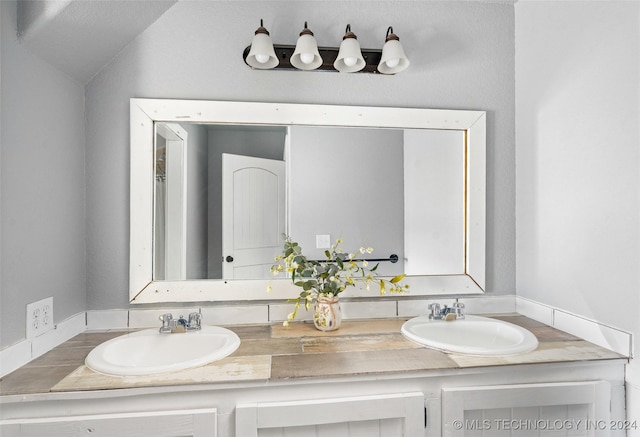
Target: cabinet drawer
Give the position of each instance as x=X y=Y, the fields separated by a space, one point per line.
x=397 y=415
x=175 y=423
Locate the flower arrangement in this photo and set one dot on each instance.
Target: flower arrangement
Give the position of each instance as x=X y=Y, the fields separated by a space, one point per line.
x=328 y=278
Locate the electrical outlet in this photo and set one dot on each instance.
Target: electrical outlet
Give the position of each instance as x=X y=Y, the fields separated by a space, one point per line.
x=39 y=317
x=323 y=241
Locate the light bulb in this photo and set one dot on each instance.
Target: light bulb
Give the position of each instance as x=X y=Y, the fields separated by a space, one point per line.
x=306 y=58
x=393 y=62
x=350 y=61
x=262 y=58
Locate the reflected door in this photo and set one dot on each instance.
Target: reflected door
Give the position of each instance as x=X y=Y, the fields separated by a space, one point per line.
x=253 y=215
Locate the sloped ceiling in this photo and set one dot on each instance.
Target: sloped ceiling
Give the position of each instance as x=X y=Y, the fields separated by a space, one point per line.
x=80 y=37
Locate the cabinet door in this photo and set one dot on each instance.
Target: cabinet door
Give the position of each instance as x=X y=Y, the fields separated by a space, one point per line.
x=184 y=423
x=394 y=415
x=576 y=409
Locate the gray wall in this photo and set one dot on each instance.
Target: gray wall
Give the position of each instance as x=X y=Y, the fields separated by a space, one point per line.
x=42 y=180
x=197 y=202
x=348 y=183
x=578 y=162
x=462 y=56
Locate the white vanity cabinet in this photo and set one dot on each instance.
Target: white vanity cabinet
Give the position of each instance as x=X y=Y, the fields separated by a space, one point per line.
x=559 y=409
x=194 y=423
x=468 y=402
x=400 y=414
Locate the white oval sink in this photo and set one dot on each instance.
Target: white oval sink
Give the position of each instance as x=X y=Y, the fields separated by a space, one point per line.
x=473 y=335
x=149 y=352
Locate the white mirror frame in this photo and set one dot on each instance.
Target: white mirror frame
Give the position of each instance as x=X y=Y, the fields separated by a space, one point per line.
x=145 y=112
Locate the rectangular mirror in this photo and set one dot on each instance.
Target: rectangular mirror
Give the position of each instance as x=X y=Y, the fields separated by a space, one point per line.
x=215 y=184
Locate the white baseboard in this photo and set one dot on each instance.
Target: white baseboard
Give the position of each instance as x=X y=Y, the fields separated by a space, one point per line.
x=19 y=354
x=15 y=356
x=611 y=338
x=473 y=305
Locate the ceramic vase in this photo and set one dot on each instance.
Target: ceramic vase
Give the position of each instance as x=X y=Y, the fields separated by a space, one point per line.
x=327 y=315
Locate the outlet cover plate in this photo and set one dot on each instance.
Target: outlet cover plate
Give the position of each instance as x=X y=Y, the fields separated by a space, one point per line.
x=40 y=317
x=323 y=241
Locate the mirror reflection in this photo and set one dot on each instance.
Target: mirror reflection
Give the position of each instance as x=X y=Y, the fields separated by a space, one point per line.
x=224 y=195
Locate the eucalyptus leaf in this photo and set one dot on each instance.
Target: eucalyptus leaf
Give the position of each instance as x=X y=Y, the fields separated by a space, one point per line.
x=397 y=279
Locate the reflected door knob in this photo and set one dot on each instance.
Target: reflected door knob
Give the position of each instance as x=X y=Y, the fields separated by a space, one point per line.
x=229 y=259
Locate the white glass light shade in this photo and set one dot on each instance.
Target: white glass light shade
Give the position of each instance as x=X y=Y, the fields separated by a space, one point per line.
x=393 y=59
x=306 y=56
x=262 y=55
x=349 y=58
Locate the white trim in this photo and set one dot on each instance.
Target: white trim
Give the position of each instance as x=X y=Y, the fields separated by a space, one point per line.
x=606 y=336
x=63 y=331
x=278 y=312
x=144 y=112
x=107 y=319
x=150 y=318
x=14 y=357
x=235 y=314
x=473 y=305
x=409 y=407
x=374 y=309
x=489 y=304
x=534 y=310
x=19 y=354
x=455 y=401
x=195 y=422
x=632 y=375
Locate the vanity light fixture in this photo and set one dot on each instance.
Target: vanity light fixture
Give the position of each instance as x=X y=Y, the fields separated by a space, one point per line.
x=306 y=55
x=349 y=58
x=393 y=58
x=262 y=54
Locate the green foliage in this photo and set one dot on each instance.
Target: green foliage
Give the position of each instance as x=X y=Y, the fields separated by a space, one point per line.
x=329 y=277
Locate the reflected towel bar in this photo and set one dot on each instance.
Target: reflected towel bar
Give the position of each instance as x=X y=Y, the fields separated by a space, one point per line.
x=393 y=258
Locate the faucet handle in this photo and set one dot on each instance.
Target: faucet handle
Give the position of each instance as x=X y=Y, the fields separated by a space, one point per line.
x=167 y=322
x=458 y=308
x=435 y=310
x=195 y=321
x=166 y=318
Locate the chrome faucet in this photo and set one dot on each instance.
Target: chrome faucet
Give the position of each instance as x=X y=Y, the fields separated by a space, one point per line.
x=446 y=313
x=171 y=325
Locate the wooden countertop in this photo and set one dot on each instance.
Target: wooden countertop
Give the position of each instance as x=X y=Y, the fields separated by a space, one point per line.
x=277 y=353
